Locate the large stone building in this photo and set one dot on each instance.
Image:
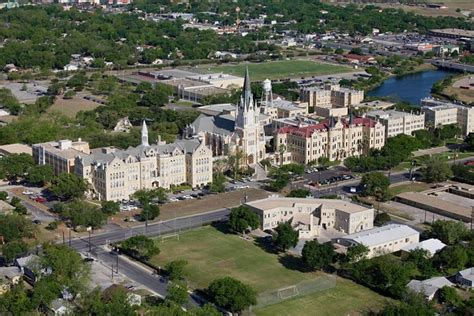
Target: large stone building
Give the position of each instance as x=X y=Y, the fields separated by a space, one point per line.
x=397 y=122
x=309 y=216
x=335 y=139
x=116 y=174
x=439 y=113
x=59 y=155
x=331 y=96
x=227 y=133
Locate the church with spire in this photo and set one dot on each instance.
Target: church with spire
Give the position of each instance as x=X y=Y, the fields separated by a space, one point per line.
x=240 y=130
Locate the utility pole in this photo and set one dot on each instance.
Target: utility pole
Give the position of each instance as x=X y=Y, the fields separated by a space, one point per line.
x=90 y=245
x=116 y=269
x=64 y=240
x=69 y=237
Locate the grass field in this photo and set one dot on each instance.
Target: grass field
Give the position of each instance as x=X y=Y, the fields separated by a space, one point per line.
x=72 y=106
x=347 y=298
x=212 y=254
x=281 y=69
x=409 y=187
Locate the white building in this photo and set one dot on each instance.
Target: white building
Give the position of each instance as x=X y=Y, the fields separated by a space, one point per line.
x=428 y=288
x=439 y=113
x=432 y=246
x=382 y=240
x=466 y=278
x=310 y=215
x=398 y=122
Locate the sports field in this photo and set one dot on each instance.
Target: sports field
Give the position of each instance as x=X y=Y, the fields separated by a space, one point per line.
x=280 y=69
x=347 y=298
x=212 y=254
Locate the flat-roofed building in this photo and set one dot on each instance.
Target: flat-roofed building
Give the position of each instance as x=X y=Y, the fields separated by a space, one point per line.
x=60 y=155
x=316 y=97
x=382 y=240
x=439 y=113
x=10 y=149
x=398 y=122
x=309 y=215
x=345 y=97
x=373 y=105
x=282 y=109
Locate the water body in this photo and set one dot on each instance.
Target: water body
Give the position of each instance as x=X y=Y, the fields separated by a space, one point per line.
x=410 y=88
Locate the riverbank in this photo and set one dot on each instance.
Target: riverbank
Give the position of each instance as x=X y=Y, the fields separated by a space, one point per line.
x=455 y=92
x=417 y=69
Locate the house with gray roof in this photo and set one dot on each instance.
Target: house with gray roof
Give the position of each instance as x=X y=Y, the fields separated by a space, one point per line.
x=429 y=288
x=465 y=277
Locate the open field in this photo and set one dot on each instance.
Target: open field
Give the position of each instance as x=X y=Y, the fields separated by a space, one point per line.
x=280 y=69
x=464 y=95
x=72 y=106
x=347 y=298
x=408 y=187
x=212 y=254
x=450 y=11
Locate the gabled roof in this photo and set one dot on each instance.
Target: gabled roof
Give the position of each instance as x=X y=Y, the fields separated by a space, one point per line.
x=467 y=274
x=380 y=235
x=432 y=245
x=430 y=286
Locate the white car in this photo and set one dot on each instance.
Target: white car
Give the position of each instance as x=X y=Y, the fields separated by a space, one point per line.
x=28 y=192
x=173 y=199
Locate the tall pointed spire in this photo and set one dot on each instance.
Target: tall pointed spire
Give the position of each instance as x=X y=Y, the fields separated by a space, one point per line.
x=247 y=88
x=145 y=134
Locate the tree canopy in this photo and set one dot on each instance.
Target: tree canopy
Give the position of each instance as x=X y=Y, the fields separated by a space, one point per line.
x=241 y=218
x=231 y=294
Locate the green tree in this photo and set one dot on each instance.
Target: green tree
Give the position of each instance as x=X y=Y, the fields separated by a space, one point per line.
x=3 y=195
x=15 y=166
x=66 y=266
x=218 y=183
x=449 y=295
x=451 y=258
x=285 y=236
x=412 y=304
x=469 y=142
x=40 y=175
x=110 y=207
x=83 y=214
x=14 y=249
x=68 y=186
x=231 y=294
x=155 y=98
x=356 y=253
x=16 y=301
x=382 y=219
x=422 y=260
x=299 y=193
x=241 y=218
x=376 y=184
x=177 y=293
x=448 y=231
x=176 y=269
x=206 y=310
x=140 y=247
x=436 y=170
x=317 y=256
x=14 y=227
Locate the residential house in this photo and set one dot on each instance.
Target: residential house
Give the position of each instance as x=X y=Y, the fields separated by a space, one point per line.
x=465 y=278
x=430 y=287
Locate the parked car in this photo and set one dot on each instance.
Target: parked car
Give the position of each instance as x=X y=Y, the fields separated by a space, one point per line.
x=40 y=199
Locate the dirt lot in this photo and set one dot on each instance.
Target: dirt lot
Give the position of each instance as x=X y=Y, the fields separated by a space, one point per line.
x=464 y=95
x=191 y=207
x=72 y=106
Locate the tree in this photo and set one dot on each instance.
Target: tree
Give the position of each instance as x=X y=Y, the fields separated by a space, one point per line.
x=16 y=302
x=241 y=218
x=40 y=175
x=218 y=183
x=110 y=207
x=66 y=266
x=356 y=253
x=299 y=193
x=83 y=214
x=421 y=259
x=140 y=247
x=436 y=170
x=15 y=166
x=155 y=98
x=68 y=186
x=382 y=219
x=149 y=212
x=469 y=141
x=176 y=269
x=231 y=294
x=285 y=236
x=3 y=195
x=448 y=231
x=412 y=304
x=449 y=295
x=317 y=256
x=14 y=227
x=177 y=293
x=451 y=257
x=207 y=310
x=376 y=184
x=14 y=249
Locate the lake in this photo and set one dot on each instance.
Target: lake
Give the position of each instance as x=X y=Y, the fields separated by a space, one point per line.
x=410 y=88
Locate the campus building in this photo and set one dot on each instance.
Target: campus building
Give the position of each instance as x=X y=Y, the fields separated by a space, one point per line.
x=335 y=139
x=309 y=216
x=398 y=122
x=381 y=240
x=240 y=131
x=116 y=174
x=331 y=96
x=60 y=155
x=439 y=113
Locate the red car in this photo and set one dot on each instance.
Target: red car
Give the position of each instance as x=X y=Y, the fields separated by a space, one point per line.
x=40 y=199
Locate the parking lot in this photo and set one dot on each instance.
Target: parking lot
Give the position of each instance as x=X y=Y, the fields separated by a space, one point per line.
x=33 y=91
x=326 y=177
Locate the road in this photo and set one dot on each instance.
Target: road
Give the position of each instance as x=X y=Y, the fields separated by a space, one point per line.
x=133 y=270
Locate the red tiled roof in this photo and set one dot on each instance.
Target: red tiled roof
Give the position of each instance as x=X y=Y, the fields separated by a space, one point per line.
x=307 y=131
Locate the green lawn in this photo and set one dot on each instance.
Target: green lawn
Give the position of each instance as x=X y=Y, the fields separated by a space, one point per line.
x=281 y=69
x=212 y=254
x=347 y=298
x=409 y=187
